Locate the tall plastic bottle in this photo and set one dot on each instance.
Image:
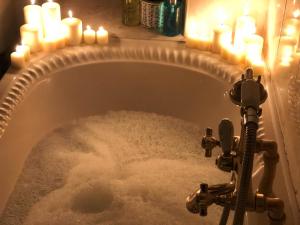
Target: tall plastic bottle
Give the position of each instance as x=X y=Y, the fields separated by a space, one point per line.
x=171 y=17
x=131 y=12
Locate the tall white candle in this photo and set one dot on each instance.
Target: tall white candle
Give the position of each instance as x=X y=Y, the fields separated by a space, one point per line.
x=89 y=35
x=245 y=26
x=30 y=36
x=73 y=29
x=102 y=36
x=33 y=16
x=51 y=19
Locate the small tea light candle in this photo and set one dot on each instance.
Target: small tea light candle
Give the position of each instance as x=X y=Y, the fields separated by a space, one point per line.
x=102 y=36
x=89 y=35
x=33 y=16
x=73 y=29
x=18 y=58
x=25 y=49
x=51 y=18
x=30 y=36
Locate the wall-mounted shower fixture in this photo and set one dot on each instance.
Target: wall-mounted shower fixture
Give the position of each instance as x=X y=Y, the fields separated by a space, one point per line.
x=237 y=157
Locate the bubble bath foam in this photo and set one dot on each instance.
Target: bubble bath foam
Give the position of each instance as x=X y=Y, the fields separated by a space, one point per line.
x=122 y=168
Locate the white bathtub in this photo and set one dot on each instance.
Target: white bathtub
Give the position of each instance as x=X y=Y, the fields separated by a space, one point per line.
x=84 y=81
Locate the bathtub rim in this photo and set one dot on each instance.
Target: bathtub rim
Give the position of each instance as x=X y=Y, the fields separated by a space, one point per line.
x=16 y=84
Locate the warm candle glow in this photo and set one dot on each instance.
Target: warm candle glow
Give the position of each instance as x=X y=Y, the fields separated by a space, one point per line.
x=296 y=13
x=290 y=31
x=88 y=27
x=32 y=2
x=101 y=30
x=102 y=36
x=70 y=13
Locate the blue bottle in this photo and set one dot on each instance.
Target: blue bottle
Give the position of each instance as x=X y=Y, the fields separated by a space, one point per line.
x=171 y=17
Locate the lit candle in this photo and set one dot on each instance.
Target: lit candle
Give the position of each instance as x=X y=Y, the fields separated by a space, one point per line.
x=89 y=35
x=18 y=58
x=73 y=29
x=102 y=36
x=25 y=49
x=235 y=55
x=49 y=44
x=30 y=36
x=51 y=19
x=258 y=67
x=287 y=49
x=203 y=43
x=245 y=26
x=253 y=47
x=33 y=16
x=222 y=35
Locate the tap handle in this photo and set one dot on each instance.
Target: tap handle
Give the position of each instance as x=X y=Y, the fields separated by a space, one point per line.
x=226 y=132
x=209 y=142
x=203 y=204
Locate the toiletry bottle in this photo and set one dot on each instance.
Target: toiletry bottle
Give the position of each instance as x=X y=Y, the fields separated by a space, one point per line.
x=131 y=12
x=171 y=17
x=150 y=13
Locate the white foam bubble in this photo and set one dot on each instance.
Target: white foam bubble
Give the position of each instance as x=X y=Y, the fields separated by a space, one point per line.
x=123 y=168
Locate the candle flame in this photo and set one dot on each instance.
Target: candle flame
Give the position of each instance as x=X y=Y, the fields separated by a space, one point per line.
x=88 y=27
x=70 y=13
x=32 y=2
x=50 y=0
x=296 y=13
x=290 y=30
x=101 y=28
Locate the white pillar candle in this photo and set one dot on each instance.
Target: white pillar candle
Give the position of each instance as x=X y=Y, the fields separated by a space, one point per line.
x=258 y=67
x=51 y=19
x=73 y=29
x=49 y=44
x=199 y=42
x=287 y=49
x=253 y=47
x=89 y=35
x=30 y=37
x=245 y=26
x=25 y=49
x=222 y=34
x=33 y=16
x=102 y=36
x=60 y=41
x=235 y=55
x=18 y=58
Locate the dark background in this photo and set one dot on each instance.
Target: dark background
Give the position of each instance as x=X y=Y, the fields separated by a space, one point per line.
x=11 y=17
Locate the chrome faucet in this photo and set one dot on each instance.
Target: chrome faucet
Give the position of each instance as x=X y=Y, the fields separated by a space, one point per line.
x=237 y=157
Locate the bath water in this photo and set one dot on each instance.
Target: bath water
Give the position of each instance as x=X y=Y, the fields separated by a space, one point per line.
x=122 y=168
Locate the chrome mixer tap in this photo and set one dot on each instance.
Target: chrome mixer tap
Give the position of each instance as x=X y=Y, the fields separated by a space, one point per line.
x=237 y=157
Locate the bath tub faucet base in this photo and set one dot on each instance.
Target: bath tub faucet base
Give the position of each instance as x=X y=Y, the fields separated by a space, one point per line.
x=237 y=157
